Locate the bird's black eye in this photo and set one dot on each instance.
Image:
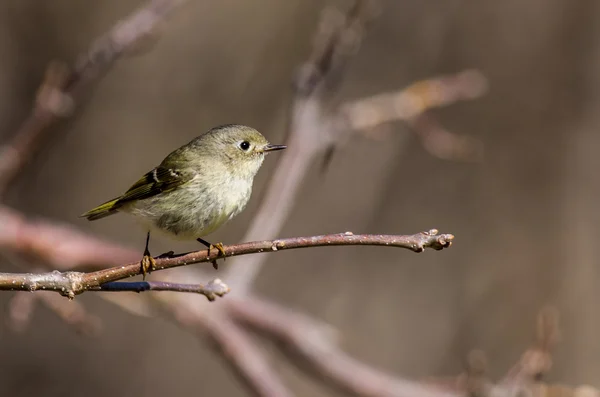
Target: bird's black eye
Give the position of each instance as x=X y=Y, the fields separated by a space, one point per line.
x=245 y=145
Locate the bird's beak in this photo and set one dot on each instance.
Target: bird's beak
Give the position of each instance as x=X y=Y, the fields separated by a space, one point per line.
x=272 y=148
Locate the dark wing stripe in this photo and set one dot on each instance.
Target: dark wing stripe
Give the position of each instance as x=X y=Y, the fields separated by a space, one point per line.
x=154 y=182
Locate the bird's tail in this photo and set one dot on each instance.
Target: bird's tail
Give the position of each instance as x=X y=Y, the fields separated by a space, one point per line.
x=102 y=210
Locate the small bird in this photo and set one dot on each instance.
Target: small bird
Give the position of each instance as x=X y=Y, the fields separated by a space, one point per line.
x=196 y=189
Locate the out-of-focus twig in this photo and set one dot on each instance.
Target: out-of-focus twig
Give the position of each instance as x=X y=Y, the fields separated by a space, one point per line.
x=414 y=100
x=537 y=360
x=20 y=309
x=72 y=313
x=473 y=381
x=73 y=283
x=241 y=352
x=444 y=144
x=412 y=104
x=322 y=353
x=61 y=247
x=21 y=306
x=56 y=95
x=525 y=377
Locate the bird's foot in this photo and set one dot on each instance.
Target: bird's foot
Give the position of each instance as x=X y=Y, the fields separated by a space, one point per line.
x=219 y=247
x=148 y=264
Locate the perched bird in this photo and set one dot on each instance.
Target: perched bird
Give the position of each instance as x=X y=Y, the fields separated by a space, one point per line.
x=196 y=188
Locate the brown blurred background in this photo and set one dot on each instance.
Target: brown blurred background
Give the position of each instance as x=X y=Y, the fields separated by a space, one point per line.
x=525 y=219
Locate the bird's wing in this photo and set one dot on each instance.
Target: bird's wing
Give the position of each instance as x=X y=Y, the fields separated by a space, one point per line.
x=159 y=180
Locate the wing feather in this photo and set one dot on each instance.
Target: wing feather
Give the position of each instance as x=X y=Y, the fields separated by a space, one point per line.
x=157 y=181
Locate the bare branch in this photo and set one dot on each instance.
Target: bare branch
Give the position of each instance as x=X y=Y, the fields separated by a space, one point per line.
x=60 y=246
x=72 y=313
x=338 y=38
x=73 y=283
x=299 y=333
x=472 y=382
x=413 y=100
x=56 y=94
x=20 y=310
x=524 y=378
x=443 y=144
x=212 y=290
x=233 y=342
x=537 y=360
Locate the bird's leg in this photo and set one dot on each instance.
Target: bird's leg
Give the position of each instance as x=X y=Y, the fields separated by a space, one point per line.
x=148 y=263
x=219 y=247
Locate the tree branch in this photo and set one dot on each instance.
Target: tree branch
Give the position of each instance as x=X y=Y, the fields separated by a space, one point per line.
x=414 y=100
x=536 y=361
x=211 y=290
x=73 y=283
x=299 y=333
x=72 y=313
x=232 y=341
x=62 y=247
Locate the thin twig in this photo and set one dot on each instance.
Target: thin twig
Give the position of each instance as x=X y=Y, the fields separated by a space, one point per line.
x=20 y=310
x=473 y=381
x=73 y=313
x=536 y=361
x=73 y=283
x=414 y=100
x=212 y=290
x=56 y=94
x=412 y=104
x=444 y=144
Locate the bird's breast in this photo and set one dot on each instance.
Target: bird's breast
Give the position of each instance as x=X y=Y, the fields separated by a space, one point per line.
x=215 y=204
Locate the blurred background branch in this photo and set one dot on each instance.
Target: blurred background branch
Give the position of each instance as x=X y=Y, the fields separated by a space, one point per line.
x=55 y=97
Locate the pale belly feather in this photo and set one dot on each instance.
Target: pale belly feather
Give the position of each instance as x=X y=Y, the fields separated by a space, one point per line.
x=193 y=210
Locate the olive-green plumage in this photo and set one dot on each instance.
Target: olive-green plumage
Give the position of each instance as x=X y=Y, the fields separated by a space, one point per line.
x=198 y=187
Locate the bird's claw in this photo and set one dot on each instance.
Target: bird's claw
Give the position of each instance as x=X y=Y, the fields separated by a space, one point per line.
x=148 y=264
x=219 y=247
